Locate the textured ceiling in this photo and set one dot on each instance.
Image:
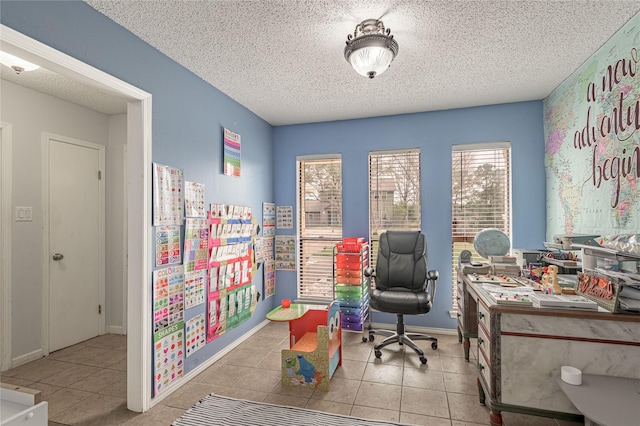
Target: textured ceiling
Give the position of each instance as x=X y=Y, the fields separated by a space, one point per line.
x=283 y=59
x=54 y=84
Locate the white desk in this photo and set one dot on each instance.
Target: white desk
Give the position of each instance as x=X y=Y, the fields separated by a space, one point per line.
x=605 y=400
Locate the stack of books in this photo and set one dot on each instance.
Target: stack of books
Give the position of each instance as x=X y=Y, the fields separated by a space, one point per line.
x=556 y=301
x=505 y=265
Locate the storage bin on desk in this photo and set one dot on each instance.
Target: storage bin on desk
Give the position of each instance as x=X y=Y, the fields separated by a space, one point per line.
x=353 y=326
x=349 y=310
x=349 y=281
x=350 y=245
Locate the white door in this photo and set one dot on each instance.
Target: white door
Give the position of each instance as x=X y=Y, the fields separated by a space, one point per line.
x=76 y=238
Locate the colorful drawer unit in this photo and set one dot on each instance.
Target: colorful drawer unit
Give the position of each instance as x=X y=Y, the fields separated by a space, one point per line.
x=350 y=285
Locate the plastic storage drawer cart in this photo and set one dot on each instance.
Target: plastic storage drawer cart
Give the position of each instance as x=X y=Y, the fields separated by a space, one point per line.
x=351 y=257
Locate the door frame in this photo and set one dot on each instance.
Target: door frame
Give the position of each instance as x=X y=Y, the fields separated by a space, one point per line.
x=45 y=171
x=6 y=247
x=139 y=117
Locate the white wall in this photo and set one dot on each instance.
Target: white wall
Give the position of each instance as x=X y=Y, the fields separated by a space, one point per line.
x=32 y=113
x=114 y=236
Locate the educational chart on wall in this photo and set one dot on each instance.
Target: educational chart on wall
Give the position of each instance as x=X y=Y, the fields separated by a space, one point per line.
x=231 y=153
x=194 y=205
x=168 y=201
x=168 y=297
x=195 y=333
x=194 y=288
x=196 y=244
x=168 y=356
x=286 y=252
x=284 y=217
x=268 y=219
x=167 y=245
x=592 y=131
x=269 y=278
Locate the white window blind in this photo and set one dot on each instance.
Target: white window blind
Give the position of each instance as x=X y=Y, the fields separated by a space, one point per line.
x=480 y=196
x=394 y=193
x=319 y=218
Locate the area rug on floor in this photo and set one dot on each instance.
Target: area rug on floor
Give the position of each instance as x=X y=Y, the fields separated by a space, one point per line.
x=224 y=411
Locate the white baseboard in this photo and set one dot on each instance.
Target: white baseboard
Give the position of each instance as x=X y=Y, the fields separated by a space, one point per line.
x=23 y=359
x=115 y=329
x=199 y=369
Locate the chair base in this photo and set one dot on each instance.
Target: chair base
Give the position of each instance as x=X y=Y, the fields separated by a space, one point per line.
x=402 y=338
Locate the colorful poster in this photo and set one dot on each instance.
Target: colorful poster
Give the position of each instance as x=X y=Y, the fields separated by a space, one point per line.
x=231 y=153
x=269 y=278
x=285 y=217
x=167 y=195
x=286 y=252
x=194 y=286
x=194 y=199
x=167 y=245
x=195 y=334
x=168 y=297
x=196 y=244
x=168 y=356
x=268 y=219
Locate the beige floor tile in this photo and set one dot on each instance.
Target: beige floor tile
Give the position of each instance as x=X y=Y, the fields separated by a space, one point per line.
x=458 y=365
x=257 y=379
x=71 y=375
x=423 y=378
x=466 y=408
x=433 y=361
x=38 y=370
x=158 y=415
x=99 y=381
x=461 y=423
x=247 y=394
x=383 y=373
x=96 y=357
x=63 y=400
x=418 y=419
x=61 y=354
x=45 y=389
x=116 y=342
x=351 y=369
x=293 y=390
x=15 y=381
x=329 y=406
x=260 y=343
x=379 y=395
x=358 y=353
x=340 y=390
x=118 y=389
x=272 y=361
x=189 y=394
x=119 y=415
x=393 y=354
x=424 y=401
x=243 y=357
x=288 y=400
x=373 y=413
x=461 y=383
x=89 y=409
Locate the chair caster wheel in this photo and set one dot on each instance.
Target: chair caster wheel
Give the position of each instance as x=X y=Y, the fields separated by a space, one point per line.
x=364 y=339
x=434 y=345
x=423 y=360
x=378 y=354
x=371 y=337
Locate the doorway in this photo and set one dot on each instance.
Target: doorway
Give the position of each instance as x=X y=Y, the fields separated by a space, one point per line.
x=138 y=194
x=74 y=226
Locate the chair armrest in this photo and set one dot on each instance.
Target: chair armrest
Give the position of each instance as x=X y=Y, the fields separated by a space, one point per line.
x=369 y=272
x=432 y=277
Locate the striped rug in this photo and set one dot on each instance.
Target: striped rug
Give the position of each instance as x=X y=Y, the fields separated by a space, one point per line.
x=224 y=411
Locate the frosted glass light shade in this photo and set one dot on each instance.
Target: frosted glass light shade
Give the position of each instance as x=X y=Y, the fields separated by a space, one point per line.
x=371 y=48
x=371 y=61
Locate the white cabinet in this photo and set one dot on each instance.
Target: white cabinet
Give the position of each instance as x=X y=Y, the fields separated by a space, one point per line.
x=22 y=406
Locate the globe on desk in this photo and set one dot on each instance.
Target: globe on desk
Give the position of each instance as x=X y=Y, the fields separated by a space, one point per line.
x=491 y=242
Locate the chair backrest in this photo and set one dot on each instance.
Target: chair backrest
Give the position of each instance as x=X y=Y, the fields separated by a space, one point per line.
x=402 y=261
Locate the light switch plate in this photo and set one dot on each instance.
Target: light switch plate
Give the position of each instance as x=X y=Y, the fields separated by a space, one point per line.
x=24 y=214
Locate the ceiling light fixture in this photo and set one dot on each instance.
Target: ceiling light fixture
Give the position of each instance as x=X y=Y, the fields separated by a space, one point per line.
x=17 y=64
x=371 y=48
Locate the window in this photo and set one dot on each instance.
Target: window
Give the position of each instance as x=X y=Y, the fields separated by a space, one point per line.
x=394 y=193
x=480 y=195
x=319 y=209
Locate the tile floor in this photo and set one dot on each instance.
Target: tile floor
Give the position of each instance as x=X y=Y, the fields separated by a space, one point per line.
x=86 y=384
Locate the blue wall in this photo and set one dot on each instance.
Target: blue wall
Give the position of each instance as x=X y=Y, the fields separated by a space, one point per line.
x=188 y=115
x=434 y=133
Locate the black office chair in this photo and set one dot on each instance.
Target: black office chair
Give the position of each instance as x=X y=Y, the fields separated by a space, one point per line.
x=402 y=286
